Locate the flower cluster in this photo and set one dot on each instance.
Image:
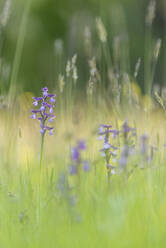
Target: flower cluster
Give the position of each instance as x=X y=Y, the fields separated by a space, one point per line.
x=126 y=130
x=44 y=113
x=108 y=149
x=76 y=158
x=128 y=147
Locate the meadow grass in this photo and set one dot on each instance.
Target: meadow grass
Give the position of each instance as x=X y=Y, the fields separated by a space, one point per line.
x=36 y=211
x=46 y=206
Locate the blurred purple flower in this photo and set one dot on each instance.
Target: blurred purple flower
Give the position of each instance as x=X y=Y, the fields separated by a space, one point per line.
x=86 y=166
x=81 y=145
x=114 y=133
x=76 y=157
x=126 y=129
x=106 y=126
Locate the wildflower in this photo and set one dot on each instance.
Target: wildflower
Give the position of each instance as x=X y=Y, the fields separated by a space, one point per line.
x=114 y=133
x=75 y=155
x=126 y=130
x=45 y=111
x=44 y=114
x=76 y=158
x=108 y=149
x=81 y=145
x=128 y=147
x=86 y=166
x=100 y=137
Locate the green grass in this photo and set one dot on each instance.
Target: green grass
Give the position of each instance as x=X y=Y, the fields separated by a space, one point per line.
x=130 y=213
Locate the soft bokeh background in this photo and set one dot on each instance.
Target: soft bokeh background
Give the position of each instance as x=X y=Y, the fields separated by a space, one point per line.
x=34 y=26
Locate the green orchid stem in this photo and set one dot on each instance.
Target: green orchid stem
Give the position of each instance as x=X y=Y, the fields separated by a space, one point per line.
x=41 y=149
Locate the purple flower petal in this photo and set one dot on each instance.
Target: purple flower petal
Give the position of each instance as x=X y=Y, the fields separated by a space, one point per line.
x=42 y=108
x=106 y=146
x=51 y=95
x=51 y=120
x=35 y=111
x=86 y=166
x=51 y=110
x=100 y=137
x=46 y=104
x=35 y=103
x=81 y=145
x=45 y=94
x=45 y=89
x=101 y=129
x=105 y=126
x=75 y=154
x=52 y=100
x=33 y=116
x=49 y=115
x=42 y=131
x=51 y=132
x=104 y=132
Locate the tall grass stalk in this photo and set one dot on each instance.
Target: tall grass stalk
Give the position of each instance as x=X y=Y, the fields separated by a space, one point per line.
x=18 y=52
x=148 y=47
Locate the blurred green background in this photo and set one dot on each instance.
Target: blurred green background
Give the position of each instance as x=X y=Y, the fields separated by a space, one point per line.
x=33 y=26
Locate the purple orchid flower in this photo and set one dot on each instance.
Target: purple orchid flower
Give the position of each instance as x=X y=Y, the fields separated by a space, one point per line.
x=46 y=105
x=44 y=114
x=108 y=150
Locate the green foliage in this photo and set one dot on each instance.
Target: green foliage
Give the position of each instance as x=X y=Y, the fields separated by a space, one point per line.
x=49 y=20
